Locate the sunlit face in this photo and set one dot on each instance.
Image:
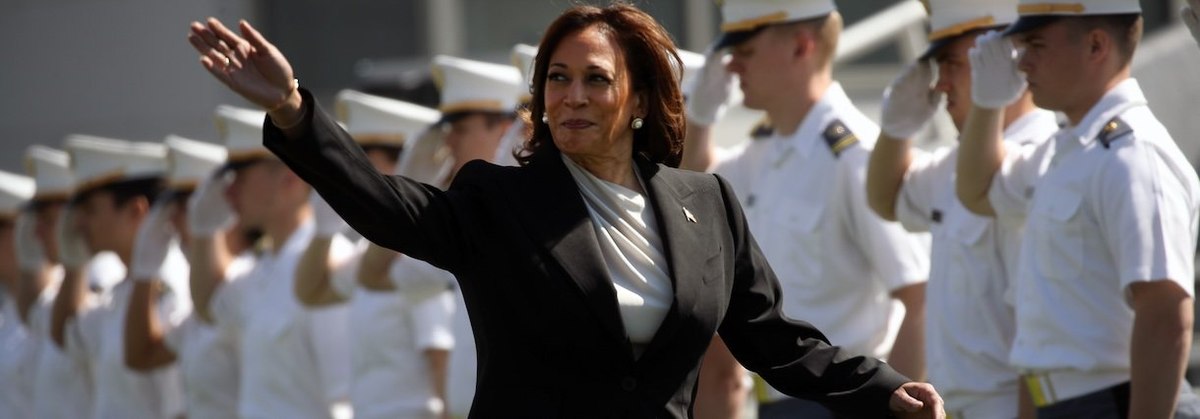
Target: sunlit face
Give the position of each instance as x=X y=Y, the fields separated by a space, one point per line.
x=46 y=228
x=762 y=64
x=106 y=226
x=589 y=97
x=252 y=194
x=1053 y=62
x=954 y=77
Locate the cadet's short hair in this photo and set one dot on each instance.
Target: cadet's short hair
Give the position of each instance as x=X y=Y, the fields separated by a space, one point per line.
x=652 y=66
x=1124 y=29
x=826 y=30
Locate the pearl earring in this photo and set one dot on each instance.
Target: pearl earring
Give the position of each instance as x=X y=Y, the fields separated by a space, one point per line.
x=545 y=118
x=637 y=123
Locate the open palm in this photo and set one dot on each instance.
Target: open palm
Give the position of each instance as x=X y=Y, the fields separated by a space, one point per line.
x=248 y=64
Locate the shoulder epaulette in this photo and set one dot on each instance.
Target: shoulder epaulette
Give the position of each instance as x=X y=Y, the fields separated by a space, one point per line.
x=838 y=137
x=1113 y=131
x=762 y=129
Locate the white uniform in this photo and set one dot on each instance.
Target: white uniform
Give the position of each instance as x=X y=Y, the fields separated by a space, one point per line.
x=837 y=261
x=208 y=361
x=389 y=332
x=18 y=358
x=1105 y=208
x=285 y=361
x=969 y=320
x=98 y=335
x=63 y=384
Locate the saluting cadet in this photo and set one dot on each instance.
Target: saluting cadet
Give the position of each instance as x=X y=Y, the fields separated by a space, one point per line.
x=290 y=364
x=969 y=316
x=62 y=386
x=522 y=58
x=400 y=345
x=116 y=183
x=478 y=101
x=841 y=267
x=18 y=347
x=206 y=359
x=1105 y=283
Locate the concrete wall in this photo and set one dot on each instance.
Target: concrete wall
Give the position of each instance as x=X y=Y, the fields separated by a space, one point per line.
x=1167 y=66
x=118 y=68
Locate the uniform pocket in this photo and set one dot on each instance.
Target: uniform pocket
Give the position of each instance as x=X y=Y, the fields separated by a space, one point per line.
x=1057 y=232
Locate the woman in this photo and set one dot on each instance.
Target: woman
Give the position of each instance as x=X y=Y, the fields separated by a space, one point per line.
x=595 y=275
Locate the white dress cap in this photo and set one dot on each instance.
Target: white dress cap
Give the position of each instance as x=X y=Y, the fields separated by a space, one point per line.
x=240 y=129
x=740 y=19
x=15 y=191
x=189 y=161
x=950 y=18
x=99 y=161
x=522 y=58
x=1037 y=13
x=51 y=171
x=377 y=120
x=476 y=86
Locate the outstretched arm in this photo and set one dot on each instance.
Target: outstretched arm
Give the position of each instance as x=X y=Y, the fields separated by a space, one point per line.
x=995 y=84
x=908 y=104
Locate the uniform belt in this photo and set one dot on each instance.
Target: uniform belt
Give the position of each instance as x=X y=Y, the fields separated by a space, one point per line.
x=1050 y=387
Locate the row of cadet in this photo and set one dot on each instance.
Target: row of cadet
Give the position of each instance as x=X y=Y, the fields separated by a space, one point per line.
x=149 y=280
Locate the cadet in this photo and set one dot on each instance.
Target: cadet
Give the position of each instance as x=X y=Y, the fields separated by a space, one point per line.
x=116 y=182
x=969 y=317
x=18 y=348
x=841 y=267
x=399 y=345
x=290 y=364
x=1104 y=288
x=207 y=359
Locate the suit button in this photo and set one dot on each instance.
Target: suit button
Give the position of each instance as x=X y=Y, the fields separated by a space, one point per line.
x=628 y=384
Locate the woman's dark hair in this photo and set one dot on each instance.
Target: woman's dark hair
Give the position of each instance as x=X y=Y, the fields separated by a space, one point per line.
x=653 y=68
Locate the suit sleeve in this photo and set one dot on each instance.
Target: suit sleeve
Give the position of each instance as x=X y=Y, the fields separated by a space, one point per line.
x=793 y=356
x=395 y=212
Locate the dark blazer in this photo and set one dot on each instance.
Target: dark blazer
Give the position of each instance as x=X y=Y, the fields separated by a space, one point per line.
x=544 y=313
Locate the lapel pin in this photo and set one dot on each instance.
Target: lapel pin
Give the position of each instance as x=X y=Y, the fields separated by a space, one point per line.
x=688 y=214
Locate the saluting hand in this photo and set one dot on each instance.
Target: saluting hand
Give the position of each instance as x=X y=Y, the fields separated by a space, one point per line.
x=909 y=102
x=73 y=251
x=249 y=65
x=995 y=80
x=917 y=401
x=152 y=243
x=1190 y=13
x=30 y=256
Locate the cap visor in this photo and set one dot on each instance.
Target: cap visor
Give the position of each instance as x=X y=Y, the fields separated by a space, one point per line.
x=732 y=39
x=936 y=46
x=1028 y=23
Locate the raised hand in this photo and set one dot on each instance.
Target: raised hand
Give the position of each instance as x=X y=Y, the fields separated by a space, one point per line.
x=30 y=257
x=326 y=221
x=995 y=80
x=909 y=102
x=250 y=65
x=73 y=251
x=208 y=213
x=708 y=95
x=153 y=242
x=1190 y=13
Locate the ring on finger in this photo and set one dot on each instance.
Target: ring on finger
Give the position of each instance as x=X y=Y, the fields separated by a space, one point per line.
x=227 y=60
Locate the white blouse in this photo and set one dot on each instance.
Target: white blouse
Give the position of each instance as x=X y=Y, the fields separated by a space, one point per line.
x=627 y=234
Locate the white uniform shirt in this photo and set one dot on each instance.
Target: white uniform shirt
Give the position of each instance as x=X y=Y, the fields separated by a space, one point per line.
x=969 y=320
x=63 y=384
x=18 y=358
x=389 y=332
x=835 y=259
x=1098 y=220
x=285 y=355
x=98 y=334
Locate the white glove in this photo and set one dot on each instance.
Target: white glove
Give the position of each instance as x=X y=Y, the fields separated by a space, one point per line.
x=152 y=243
x=327 y=221
x=30 y=255
x=73 y=251
x=995 y=80
x=708 y=94
x=426 y=160
x=208 y=213
x=1190 y=13
x=909 y=103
